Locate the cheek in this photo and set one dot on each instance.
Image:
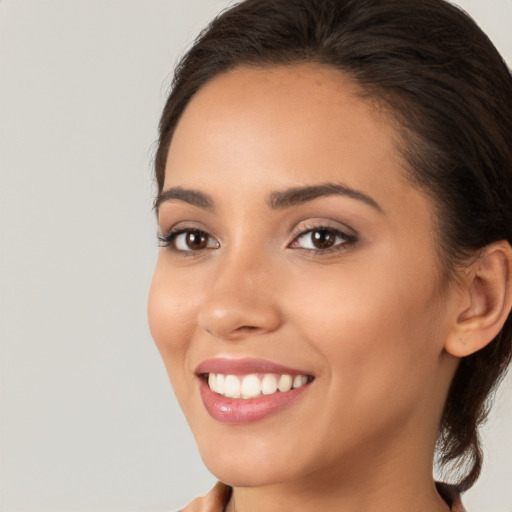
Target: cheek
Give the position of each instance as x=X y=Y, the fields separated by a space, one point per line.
x=171 y=314
x=172 y=322
x=375 y=336
x=371 y=323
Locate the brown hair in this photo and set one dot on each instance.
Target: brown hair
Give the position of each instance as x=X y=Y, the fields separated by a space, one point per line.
x=445 y=83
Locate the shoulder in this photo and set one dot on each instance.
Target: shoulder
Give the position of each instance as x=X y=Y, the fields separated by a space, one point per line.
x=214 y=501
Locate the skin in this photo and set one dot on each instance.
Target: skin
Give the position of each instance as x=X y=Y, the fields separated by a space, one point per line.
x=369 y=319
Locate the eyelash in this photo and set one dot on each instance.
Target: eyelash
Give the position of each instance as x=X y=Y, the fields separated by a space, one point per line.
x=348 y=240
x=169 y=239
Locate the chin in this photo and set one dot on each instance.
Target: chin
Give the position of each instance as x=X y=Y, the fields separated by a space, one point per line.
x=249 y=462
x=247 y=473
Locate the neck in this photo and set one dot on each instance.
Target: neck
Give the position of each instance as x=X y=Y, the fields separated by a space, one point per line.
x=398 y=496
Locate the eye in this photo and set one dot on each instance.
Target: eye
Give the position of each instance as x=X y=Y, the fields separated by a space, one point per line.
x=188 y=240
x=322 y=239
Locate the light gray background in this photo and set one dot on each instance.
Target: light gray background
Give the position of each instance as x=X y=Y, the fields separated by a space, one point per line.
x=88 y=420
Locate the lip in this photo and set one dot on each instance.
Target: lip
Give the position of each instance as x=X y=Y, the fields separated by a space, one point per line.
x=239 y=410
x=245 y=366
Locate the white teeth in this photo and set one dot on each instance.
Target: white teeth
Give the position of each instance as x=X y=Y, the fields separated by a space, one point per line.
x=284 y=383
x=232 y=386
x=219 y=383
x=212 y=382
x=299 y=380
x=269 y=384
x=252 y=385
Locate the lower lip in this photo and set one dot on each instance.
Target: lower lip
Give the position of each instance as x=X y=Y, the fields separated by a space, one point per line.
x=240 y=410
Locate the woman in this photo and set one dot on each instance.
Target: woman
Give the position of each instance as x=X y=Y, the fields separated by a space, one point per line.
x=333 y=291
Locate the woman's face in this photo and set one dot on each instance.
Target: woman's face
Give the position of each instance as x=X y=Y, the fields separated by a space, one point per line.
x=295 y=245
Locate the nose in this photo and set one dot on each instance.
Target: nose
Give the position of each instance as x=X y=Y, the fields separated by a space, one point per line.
x=242 y=300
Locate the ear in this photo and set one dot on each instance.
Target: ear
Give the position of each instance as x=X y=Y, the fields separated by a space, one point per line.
x=485 y=301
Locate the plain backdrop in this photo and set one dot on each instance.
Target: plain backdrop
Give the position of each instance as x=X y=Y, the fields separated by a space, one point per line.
x=88 y=420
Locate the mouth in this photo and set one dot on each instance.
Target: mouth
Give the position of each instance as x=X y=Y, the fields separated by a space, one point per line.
x=241 y=391
x=253 y=385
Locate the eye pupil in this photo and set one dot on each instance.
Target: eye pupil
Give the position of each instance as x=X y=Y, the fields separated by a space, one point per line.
x=323 y=239
x=197 y=240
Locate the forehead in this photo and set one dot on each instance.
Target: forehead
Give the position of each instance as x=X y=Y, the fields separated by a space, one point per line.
x=254 y=128
x=259 y=116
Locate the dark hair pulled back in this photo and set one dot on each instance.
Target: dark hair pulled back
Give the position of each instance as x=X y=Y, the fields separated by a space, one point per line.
x=450 y=93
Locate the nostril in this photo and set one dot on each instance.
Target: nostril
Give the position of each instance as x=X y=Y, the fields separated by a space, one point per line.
x=247 y=328
x=235 y=333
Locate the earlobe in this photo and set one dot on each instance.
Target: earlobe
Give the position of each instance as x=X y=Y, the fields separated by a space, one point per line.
x=485 y=303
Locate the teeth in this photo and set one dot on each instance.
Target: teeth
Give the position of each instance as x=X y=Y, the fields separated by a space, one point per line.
x=284 y=383
x=269 y=384
x=300 y=380
x=212 y=381
x=220 y=383
x=252 y=385
x=232 y=386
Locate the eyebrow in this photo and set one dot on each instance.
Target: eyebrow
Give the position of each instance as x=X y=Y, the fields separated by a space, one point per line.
x=189 y=196
x=299 y=195
x=277 y=200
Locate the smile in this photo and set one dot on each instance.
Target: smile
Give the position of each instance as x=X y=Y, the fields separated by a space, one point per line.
x=247 y=390
x=254 y=385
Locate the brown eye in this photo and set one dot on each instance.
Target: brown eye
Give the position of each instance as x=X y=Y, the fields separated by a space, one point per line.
x=195 y=240
x=322 y=239
x=188 y=240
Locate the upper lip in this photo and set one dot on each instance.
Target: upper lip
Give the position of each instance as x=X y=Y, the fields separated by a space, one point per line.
x=245 y=366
